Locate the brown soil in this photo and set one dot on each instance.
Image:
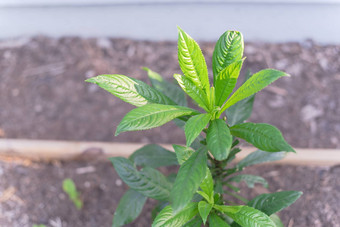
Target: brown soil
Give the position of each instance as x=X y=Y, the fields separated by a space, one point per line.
x=32 y=194
x=43 y=96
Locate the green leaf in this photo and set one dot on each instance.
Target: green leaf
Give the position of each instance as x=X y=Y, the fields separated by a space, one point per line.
x=274 y=202
x=263 y=136
x=155 y=78
x=226 y=81
x=171 y=177
x=189 y=177
x=197 y=197
x=276 y=219
x=129 y=208
x=228 y=49
x=258 y=157
x=216 y=221
x=241 y=111
x=130 y=90
x=232 y=187
x=204 y=195
x=151 y=116
x=155 y=211
x=149 y=182
x=196 y=93
x=179 y=123
x=218 y=198
x=218 y=187
x=250 y=180
x=207 y=186
x=198 y=142
x=154 y=181
x=154 y=156
x=70 y=189
x=204 y=209
x=194 y=127
x=195 y=222
x=255 y=83
x=182 y=153
x=191 y=61
x=219 y=139
x=232 y=154
x=173 y=91
x=167 y=218
x=246 y=216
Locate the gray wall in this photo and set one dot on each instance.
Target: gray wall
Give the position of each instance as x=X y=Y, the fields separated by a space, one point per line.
x=259 y=20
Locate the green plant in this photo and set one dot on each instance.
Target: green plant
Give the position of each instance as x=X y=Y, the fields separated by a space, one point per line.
x=70 y=189
x=197 y=193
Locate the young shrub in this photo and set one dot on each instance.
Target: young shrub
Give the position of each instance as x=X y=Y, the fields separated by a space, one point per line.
x=196 y=194
x=69 y=187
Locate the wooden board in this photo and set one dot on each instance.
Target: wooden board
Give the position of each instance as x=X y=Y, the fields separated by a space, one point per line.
x=68 y=150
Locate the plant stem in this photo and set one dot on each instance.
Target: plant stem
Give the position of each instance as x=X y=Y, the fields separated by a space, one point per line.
x=231 y=203
x=227 y=172
x=237 y=196
x=235 y=142
x=232 y=187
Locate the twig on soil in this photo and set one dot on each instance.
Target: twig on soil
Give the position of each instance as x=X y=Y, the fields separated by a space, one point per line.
x=86 y=169
x=50 y=69
x=9 y=194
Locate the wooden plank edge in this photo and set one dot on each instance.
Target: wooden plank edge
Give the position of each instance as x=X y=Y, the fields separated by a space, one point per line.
x=48 y=150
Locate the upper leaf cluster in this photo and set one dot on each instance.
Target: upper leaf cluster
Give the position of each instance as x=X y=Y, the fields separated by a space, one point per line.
x=158 y=105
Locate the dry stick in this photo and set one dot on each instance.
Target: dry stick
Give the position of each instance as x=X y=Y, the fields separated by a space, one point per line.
x=68 y=150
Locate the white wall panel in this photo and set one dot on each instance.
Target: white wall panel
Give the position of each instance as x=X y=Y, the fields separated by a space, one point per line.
x=264 y=22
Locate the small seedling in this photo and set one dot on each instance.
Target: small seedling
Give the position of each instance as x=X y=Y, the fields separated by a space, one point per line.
x=203 y=191
x=70 y=189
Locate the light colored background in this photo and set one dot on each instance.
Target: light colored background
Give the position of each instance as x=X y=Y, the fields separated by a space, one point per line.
x=259 y=20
